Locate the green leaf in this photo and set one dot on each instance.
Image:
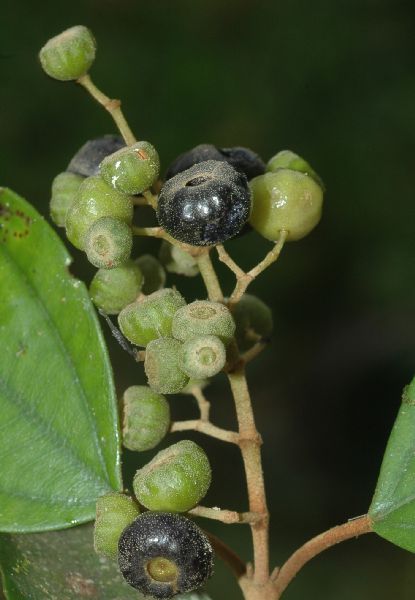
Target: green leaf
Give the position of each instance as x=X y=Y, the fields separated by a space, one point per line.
x=393 y=505
x=59 y=440
x=59 y=565
x=62 y=565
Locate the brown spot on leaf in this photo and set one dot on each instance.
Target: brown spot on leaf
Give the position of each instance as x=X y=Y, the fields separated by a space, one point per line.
x=85 y=588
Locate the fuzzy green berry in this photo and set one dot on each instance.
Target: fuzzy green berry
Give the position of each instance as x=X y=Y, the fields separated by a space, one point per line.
x=153 y=273
x=162 y=368
x=290 y=160
x=133 y=169
x=64 y=189
x=112 y=289
x=150 y=317
x=68 y=55
x=175 y=480
x=287 y=200
x=108 y=243
x=95 y=199
x=146 y=418
x=114 y=512
x=203 y=356
x=253 y=319
x=164 y=554
x=203 y=317
x=177 y=260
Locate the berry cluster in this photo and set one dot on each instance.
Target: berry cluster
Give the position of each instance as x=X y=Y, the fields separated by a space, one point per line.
x=208 y=196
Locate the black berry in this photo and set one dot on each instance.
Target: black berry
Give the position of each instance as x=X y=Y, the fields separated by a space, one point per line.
x=205 y=205
x=242 y=159
x=88 y=158
x=164 y=554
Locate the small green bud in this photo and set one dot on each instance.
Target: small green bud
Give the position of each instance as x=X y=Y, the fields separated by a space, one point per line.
x=114 y=513
x=95 y=199
x=108 y=243
x=161 y=365
x=253 y=320
x=112 y=289
x=177 y=260
x=202 y=356
x=146 y=418
x=290 y=160
x=150 y=317
x=133 y=169
x=153 y=273
x=64 y=189
x=68 y=55
x=175 y=480
x=203 y=317
x=287 y=200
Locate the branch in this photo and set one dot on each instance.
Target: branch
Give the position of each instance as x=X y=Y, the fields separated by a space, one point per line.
x=315 y=546
x=226 y=516
x=209 y=277
x=227 y=555
x=207 y=428
x=202 y=402
x=112 y=106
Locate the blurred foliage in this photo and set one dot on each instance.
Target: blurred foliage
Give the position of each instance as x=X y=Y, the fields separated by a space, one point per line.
x=333 y=80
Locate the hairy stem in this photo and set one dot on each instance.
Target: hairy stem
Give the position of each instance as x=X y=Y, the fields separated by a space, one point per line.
x=112 y=106
x=226 y=516
x=207 y=428
x=209 y=277
x=315 y=546
x=250 y=444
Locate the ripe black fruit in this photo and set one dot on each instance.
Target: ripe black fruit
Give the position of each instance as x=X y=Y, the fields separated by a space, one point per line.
x=205 y=205
x=88 y=158
x=164 y=554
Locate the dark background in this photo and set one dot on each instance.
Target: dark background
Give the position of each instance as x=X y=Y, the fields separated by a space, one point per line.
x=334 y=81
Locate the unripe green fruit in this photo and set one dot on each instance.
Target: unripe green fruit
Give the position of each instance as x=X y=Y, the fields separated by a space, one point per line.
x=203 y=356
x=203 y=317
x=177 y=260
x=68 y=55
x=112 y=289
x=95 y=199
x=64 y=189
x=150 y=317
x=290 y=160
x=153 y=273
x=253 y=320
x=146 y=418
x=175 y=480
x=133 y=169
x=161 y=365
x=114 y=513
x=108 y=243
x=287 y=200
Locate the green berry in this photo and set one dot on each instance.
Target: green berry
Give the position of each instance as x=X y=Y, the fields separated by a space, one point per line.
x=177 y=260
x=112 y=289
x=175 y=480
x=153 y=273
x=150 y=317
x=133 y=169
x=95 y=199
x=290 y=160
x=287 y=200
x=64 y=190
x=253 y=319
x=114 y=513
x=162 y=368
x=203 y=356
x=68 y=55
x=146 y=418
x=203 y=317
x=108 y=243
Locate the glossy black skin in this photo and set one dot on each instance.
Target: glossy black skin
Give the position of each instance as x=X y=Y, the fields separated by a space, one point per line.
x=205 y=205
x=88 y=158
x=242 y=159
x=171 y=536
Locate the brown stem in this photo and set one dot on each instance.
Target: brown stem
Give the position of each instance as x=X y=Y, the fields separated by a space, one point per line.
x=315 y=546
x=226 y=516
x=233 y=561
x=112 y=106
x=209 y=277
x=250 y=444
x=202 y=402
x=207 y=428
